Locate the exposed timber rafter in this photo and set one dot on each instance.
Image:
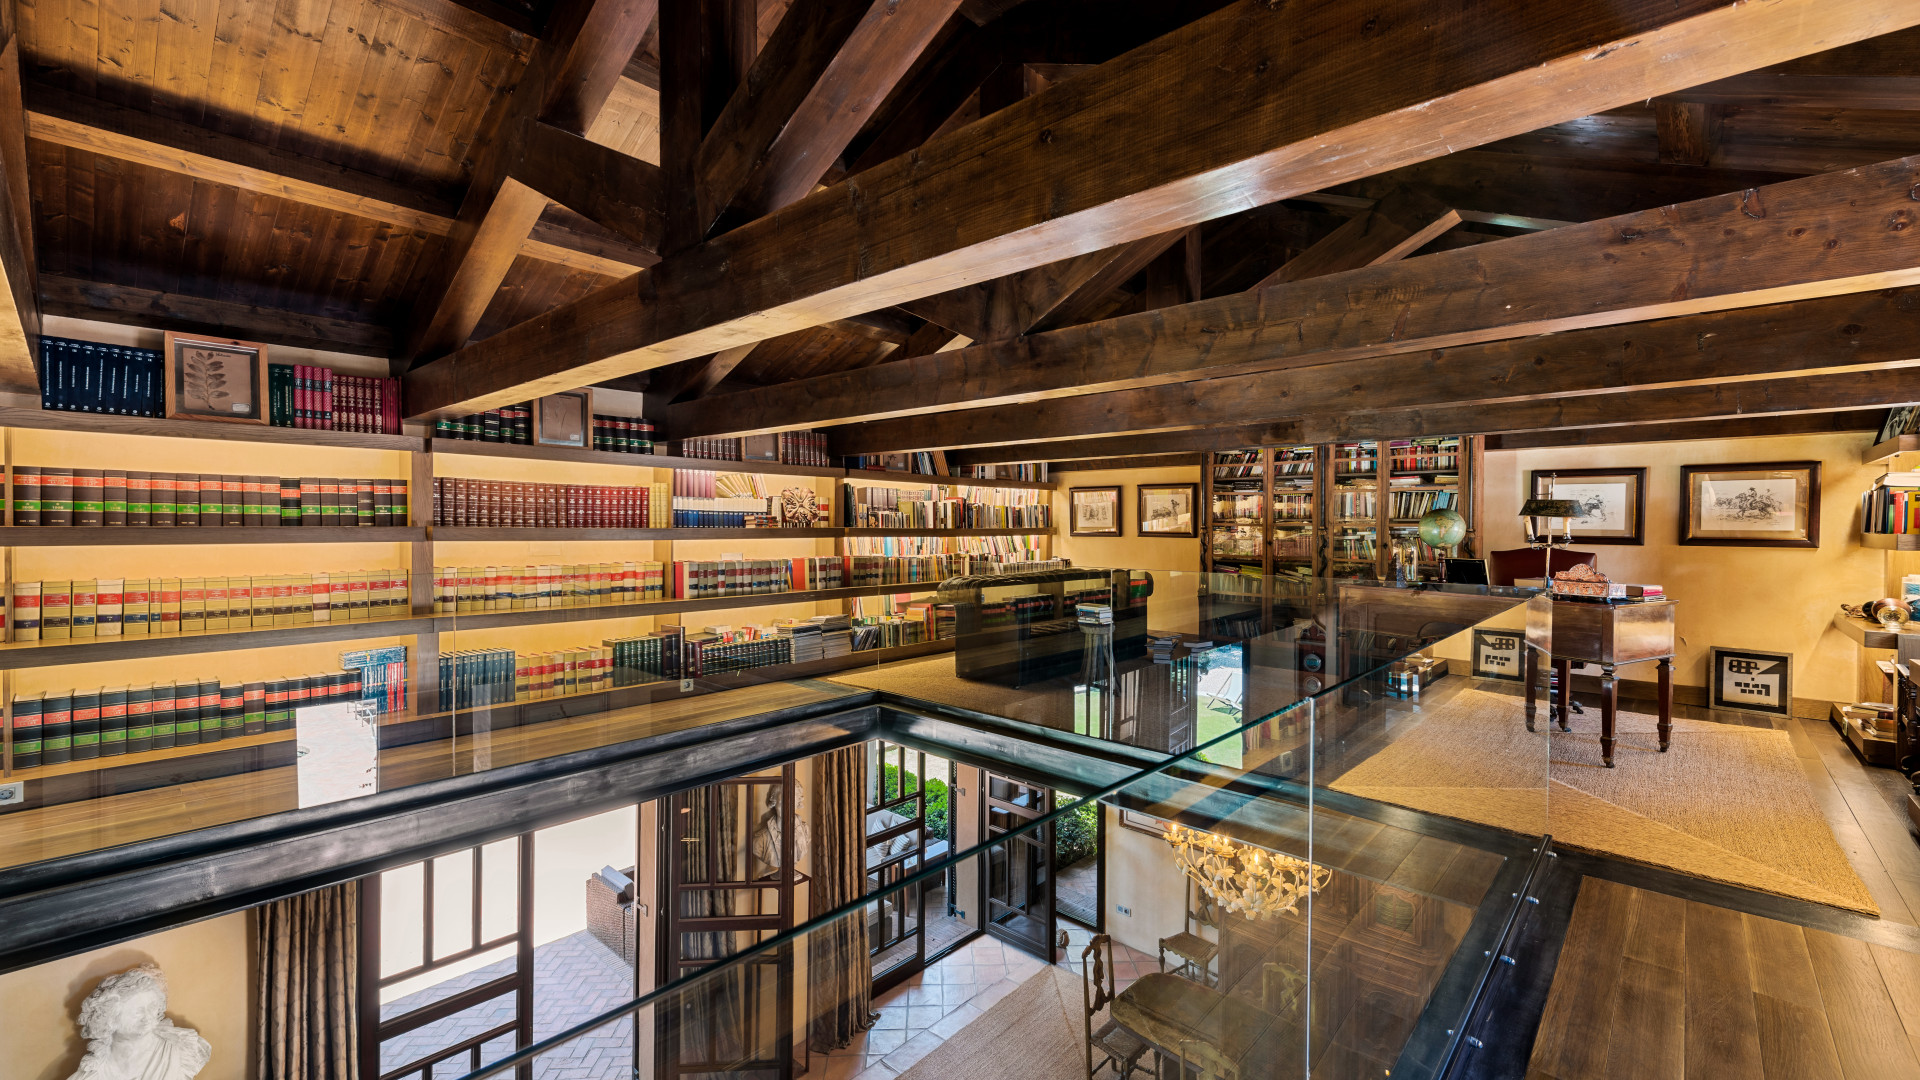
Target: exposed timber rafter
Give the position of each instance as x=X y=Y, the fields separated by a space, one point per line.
x=1045 y=179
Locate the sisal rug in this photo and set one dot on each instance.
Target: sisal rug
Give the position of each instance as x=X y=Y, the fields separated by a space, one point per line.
x=1034 y=1033
x=1726 y=803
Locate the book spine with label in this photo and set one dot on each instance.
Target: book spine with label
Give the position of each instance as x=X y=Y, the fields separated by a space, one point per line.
x=27 y=732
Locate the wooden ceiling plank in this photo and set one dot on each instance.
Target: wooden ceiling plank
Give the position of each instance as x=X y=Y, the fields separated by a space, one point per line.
x=1164 y=442
x=1746 y=427
x=616 y=190
x=718 y=368
x=1373 y=236
x=81 y=299
x=1894 y=93
x=568 y=80
x=1056 y=175
x=1687 y=130
x=1852 y=329
x=827 y=66
x=1817 y=236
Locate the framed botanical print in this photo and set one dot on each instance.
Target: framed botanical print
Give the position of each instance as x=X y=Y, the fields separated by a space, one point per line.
x=1750 y=680
x=1613 y=502
x=1168 y=510
x=1094 y=511
x=563 y=419
x=212 y=378
x=1765 y=504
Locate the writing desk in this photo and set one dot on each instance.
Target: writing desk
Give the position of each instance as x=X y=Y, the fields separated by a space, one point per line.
x=1609 y=635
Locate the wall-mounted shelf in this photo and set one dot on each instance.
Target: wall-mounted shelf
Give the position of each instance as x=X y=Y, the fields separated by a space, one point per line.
x=1899 y=444
x=55 y=420
x=1891 y=541
x=483 y=534
x=473 y=448
x=931 y=480
x=148 y=536
x=1869 y=634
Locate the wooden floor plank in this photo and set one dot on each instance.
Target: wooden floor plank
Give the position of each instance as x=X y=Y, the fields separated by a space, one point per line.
x=1572 y=1041
x=1867 y=1032
x=1648 y=1037
x=1723 y=1036
x=1778 y=963
x=1659 y=930
x=1795 y=1043
x=1900 y=972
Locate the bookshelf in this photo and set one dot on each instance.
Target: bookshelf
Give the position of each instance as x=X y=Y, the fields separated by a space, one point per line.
x=1333 y=510
x=29 y=553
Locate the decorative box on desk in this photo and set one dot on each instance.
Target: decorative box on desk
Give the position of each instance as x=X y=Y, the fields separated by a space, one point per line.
x=1018 y=629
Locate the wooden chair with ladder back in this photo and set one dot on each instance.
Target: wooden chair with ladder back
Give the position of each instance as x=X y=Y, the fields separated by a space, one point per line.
x=1193 y=952
x=1123 y=1049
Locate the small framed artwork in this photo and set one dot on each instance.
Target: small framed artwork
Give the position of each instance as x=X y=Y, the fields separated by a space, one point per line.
x=1766 y=504
x=1613 y=502
x=563 y=419
x=1498 y=654
x=215 y=379
x=1168 y=510
x=1146 y=823
x=1095 y=511
x=1750 y=680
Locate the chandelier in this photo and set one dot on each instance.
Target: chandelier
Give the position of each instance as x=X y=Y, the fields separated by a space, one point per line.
x=1241 y=877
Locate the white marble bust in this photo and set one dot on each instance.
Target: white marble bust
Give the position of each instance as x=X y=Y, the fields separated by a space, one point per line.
x=129 y=1036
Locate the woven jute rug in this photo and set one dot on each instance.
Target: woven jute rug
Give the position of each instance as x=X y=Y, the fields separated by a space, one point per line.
x=1726 y=803
x=1034 y=1033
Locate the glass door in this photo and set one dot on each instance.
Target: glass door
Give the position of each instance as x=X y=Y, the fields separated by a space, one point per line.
x=896 y=806
x=1236 y=522
x=1019 y=878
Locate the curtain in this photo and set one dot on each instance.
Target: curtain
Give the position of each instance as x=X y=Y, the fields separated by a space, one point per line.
x=308 y=973
x=839 y=973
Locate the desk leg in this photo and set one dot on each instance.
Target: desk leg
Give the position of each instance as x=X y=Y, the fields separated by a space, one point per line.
x=1564 y=667
x=1666 y=703
x=1532 y=673
x=1609 y=705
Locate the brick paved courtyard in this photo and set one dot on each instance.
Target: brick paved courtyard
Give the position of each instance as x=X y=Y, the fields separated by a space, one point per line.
x=574 y=977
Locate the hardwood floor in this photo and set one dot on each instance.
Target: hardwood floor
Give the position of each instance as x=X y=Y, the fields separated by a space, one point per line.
x=1873 y=832
x=1656 y=986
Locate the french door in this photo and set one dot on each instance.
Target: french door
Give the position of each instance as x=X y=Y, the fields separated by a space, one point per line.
x=1019 y=878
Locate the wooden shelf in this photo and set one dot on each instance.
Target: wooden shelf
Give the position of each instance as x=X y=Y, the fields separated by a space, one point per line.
x=17 y=655
x=1899 y=444
x=639 y=461
x=482 y=533
x=1891 y=541
x=1871 y=635
x=57 y=420
x=149 y=536
x=931 y=479
x=946 y=532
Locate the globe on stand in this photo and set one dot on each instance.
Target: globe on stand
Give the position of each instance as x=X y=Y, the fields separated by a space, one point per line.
x=1443 y=528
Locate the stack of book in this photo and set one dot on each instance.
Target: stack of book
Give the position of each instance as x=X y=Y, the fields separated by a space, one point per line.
x=507 y=424
x=710 y=449
x=1892 y=505
x=308 y=396
x=131 y=607
x=84 y=724
x=472 y=589
x=88 y=498
x=945 y=508
x=86 y=376
x=458 y=501
x=622 y=434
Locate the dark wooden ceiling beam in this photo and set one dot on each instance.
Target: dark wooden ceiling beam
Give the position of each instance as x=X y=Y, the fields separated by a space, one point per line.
x=616 y=190
x=1823 y=235
x=108 y=302
x=115 y=131
x=1374 y=235
x=1057 y=175
x=1745 y=427
x=1007 y=307
x=827 y=66
x=1687 y=130
x=20 y=296
x=1894 y=93
x=1825 y=392
x=1143 y=461
x=1852 y=329
x=1162 y=442
x=567 y=81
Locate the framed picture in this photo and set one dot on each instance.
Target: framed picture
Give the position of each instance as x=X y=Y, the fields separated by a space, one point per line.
x=215 y=379
x=1750 y=680
x=1613 y=502
x=1168 y=510
x=564 y=419
x=1146 y=823
x=1499 y=654
x=1899 y=422
x=1767 y=504
x=1095 y=511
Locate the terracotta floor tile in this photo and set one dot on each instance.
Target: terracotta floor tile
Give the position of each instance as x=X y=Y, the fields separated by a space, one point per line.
x=916 y=1048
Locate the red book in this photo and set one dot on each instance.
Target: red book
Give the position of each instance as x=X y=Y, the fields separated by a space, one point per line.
x=302 y=396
